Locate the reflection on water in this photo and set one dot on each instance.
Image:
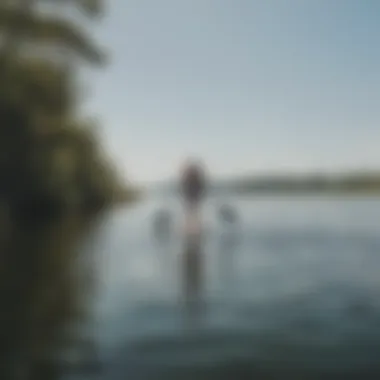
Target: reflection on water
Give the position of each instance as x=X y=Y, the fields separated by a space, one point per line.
x=291 y=291
x=228 y=250
x=45 y=281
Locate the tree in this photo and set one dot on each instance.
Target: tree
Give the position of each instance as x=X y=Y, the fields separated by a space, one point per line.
x=49 y=159
x=40 y=91
x=23 y=25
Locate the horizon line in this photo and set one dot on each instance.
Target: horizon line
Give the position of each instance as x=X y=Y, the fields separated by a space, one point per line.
x=273 y=173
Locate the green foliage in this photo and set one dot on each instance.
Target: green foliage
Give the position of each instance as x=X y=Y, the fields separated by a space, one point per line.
x=42 y=291
x=51 y=164
x=91 y=8
x=24 y=28
x=47 y=153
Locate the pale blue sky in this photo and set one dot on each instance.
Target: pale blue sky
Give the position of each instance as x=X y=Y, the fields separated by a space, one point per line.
x=248 y=85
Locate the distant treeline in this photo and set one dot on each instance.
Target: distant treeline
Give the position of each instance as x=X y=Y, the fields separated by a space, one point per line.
x=320 y=183
x=50 y=157
x=291 y=184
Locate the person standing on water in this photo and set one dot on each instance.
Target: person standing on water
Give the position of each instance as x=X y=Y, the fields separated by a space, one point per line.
x=193 y=186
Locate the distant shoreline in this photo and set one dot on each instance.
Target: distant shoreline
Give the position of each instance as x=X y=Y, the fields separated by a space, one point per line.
x=353 y=184
x=302 y=192
x=309 y=194
x=340 y=185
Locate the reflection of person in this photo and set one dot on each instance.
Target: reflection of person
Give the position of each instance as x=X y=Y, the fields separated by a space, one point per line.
x=230 y=222
x=228 y=214
x=162 y=225
x=192 y=264
x=229 y=240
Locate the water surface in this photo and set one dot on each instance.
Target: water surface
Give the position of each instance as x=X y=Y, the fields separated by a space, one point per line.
x=299 y=294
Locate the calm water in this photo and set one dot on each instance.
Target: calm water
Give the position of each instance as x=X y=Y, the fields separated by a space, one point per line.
x=298 y=294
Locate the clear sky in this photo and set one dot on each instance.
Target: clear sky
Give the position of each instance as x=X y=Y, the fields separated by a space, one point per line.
x=247 y=85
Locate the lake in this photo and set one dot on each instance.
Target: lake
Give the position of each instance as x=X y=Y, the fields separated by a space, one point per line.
x=297 y=296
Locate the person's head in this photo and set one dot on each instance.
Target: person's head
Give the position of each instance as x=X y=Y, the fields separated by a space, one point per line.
x=192 y=165
x=192 y=178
